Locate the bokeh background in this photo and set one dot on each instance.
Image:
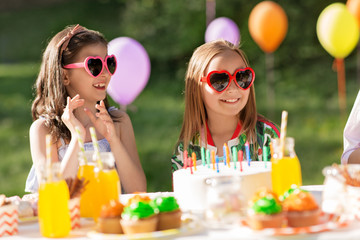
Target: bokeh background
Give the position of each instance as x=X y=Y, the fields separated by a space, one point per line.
x=305 y=82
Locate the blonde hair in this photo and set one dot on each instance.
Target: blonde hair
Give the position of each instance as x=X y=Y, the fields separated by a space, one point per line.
x=195 y=115
x=51 y=94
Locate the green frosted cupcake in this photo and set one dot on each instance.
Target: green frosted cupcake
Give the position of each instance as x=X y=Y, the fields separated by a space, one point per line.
x=169 y=213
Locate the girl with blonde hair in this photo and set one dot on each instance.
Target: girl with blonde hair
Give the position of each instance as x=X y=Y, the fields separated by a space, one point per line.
x=71 y=93
x=220 y=105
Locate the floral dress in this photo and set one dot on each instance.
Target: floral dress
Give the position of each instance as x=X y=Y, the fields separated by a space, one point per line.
x=265 y=131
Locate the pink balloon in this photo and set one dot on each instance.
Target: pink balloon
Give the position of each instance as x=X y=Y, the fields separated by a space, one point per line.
x=133 y=70
x=223 y=28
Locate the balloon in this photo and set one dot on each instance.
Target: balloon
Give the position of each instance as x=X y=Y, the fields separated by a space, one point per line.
x=133 y=70
x=354 y=8
x=337 y=30
x=223 y=28
x=268 y=25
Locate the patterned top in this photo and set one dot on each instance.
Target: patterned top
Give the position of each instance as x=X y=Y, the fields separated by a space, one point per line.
x=265 y=131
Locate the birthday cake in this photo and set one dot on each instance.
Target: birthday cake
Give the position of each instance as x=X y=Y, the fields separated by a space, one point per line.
x=190 y=187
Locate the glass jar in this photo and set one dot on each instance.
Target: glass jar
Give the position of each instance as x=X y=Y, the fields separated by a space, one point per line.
x=225 y=204
x=54 y=216
x=103 y=182
x=285 y=166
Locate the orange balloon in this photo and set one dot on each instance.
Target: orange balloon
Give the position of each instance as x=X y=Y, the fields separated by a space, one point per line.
x=268 y=25
x=354 y=8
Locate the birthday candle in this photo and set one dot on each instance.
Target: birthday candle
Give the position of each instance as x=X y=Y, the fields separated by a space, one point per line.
x=265 y=154
x=227 y=155
x=213 y=159
x=185 y=159
x=241 y=154
x=203 y=156
x=224 y=153
x=190 y=165
x=217 y=163
x=235 y=158
x=208 y=157
x=193 y=155
x=247 y=149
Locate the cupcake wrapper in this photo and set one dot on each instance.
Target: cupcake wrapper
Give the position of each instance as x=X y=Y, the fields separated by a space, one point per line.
x=8 y=220
x=74 y=208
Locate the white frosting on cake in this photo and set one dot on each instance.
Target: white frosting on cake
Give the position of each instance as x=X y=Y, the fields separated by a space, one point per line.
x=190 y=189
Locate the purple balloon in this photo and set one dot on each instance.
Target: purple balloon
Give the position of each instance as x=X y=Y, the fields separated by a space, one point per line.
x=133 y=70
x=223 y=28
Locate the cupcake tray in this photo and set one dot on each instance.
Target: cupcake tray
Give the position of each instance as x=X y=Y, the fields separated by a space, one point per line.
x=190 y=225
x=327 y=222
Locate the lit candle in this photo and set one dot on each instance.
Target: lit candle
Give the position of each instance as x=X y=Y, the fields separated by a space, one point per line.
x=203 y=156
x=190 y=165
x=227 y=155
x=193 y=155
x=213 y=159
x=224 y=153
x=235 y=158
x=265 y=154
x=185 y=159
x=208 y=157
x=247 y=149
x=241 y=154
x=217 y=164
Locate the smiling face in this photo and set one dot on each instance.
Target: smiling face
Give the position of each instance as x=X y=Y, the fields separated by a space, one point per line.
x=231 y=101
x=78 y=81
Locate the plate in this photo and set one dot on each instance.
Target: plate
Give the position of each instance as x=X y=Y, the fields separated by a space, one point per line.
x=328 y=222
x=190 y=225
x=25 y=220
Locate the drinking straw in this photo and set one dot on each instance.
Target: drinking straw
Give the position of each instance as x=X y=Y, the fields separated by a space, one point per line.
x=203 y=156
x=96 y=147
x=48 y=158
x=247 y=149
x=208 y=157
x=185 y=159
x=224 y=154
x=217 y=163
x=235 y=158
x=193 y=155
x=81 y=144
x=284 y=117
x=265 y=154
x=240 y=158
x=213 y=159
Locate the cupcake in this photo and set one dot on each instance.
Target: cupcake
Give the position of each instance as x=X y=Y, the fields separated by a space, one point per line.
x=109 y=219
x=265 y=212
x=139 y=217
x=301 y=208
x=169 y=213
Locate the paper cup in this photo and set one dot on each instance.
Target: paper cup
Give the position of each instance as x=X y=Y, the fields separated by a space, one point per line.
x=8 y=220
x=74 y=208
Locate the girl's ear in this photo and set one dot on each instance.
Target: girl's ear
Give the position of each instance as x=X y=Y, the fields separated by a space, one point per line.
x=66 y=80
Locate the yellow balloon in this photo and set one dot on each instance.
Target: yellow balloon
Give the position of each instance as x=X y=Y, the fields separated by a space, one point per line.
x=337 y=30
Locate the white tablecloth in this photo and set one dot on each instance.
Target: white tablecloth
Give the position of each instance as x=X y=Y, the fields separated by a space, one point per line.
x=30 y=230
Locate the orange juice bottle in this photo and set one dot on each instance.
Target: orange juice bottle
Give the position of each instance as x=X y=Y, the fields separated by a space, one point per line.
x=285 y=168
x=108 y=181
x=89 y=198
x=54 y=216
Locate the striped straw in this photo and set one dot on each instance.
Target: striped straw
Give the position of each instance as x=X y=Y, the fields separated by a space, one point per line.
x=284 y=117
x=81 y=144
x=48 y=157
x=96 y=147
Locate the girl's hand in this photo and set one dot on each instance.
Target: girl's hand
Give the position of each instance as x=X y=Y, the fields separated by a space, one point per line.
x=102 y=121
x=68 y=115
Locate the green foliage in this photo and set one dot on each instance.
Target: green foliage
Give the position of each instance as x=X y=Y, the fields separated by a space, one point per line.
x=305 y=84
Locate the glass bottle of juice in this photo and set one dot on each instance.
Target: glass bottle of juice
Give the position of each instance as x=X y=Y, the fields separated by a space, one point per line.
x=108 y=181
x=285 y=168
x=89 y=197
x=54 y=216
